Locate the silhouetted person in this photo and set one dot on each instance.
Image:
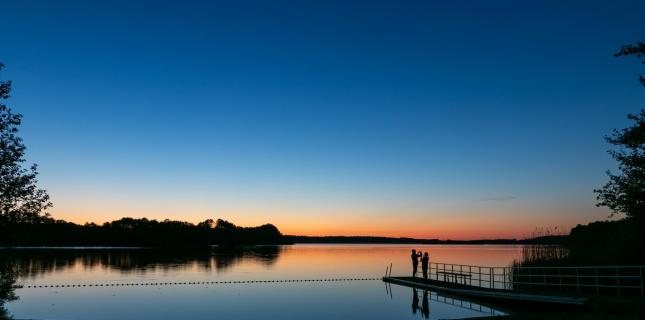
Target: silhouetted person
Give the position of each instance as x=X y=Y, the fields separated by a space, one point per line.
x=425 y=307
x=415 y=261
x=415 y=301
x=424 y=265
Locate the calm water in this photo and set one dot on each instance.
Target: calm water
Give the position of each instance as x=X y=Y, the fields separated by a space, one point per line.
x=291 y=300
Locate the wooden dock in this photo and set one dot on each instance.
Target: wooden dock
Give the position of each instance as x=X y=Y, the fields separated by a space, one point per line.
x=481 y=293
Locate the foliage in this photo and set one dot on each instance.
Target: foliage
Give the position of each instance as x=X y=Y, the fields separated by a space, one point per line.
x=20 y=198
x=137 y=232
x=607 y=242
x=637 y=50
x=625 y=192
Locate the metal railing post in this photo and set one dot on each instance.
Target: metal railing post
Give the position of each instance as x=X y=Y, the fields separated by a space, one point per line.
x=504 y=277
x=480 y=275
x=597 y=288
x=444 y=272
x=544 y=278
x=618 y=281
x=452 y=270
x=530 y=282
x=560 y=277
x=640 y=271
x=511 y=277
x=577 y=281
x=491 y=277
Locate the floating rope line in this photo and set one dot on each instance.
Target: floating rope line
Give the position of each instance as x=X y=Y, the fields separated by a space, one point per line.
x=141 y=284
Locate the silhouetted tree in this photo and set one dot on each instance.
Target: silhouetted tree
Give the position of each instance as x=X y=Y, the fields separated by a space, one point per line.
x=206 y=224
x=625 y=192
x=138 y=232
x=224 y=225
x=20 y=198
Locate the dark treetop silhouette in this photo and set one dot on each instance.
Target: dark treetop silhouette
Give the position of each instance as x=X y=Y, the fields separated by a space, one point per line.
x=138 y=232
x=20 y=198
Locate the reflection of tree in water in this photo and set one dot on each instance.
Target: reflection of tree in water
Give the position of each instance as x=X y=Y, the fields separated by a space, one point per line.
x=34 y=262
x=7 y=282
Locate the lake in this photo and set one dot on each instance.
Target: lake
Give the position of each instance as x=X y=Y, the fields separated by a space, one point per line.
x=170 y=284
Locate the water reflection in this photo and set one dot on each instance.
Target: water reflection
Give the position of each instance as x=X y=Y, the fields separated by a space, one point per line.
x=7 y=283
x=424 y=309
x=29 y=263
x=425 y=305
x=311 y=300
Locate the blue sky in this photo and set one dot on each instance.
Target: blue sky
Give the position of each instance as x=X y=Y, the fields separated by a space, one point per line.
x=423 y=118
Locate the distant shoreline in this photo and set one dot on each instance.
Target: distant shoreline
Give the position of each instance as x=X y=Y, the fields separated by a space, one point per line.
x=290 y=240
x=560 y=239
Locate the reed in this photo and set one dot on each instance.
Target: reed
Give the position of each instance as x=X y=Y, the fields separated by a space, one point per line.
x=544 y=254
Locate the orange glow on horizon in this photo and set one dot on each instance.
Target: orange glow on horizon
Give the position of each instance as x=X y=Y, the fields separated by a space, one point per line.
x=447 y=229
x=457 y=222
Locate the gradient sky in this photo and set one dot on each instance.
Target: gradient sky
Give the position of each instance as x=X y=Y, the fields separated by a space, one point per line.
x=435 y=119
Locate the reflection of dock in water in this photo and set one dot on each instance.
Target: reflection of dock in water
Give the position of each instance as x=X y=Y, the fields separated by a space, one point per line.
x=465 y=304
x=422 y=307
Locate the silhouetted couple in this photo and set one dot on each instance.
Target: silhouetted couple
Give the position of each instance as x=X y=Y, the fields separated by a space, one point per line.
x=425 y=307
x=425 y=261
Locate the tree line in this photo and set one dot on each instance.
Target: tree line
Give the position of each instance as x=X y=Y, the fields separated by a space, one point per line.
x=137 y=232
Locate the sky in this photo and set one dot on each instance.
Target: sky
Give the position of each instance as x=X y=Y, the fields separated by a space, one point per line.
x=429 y=119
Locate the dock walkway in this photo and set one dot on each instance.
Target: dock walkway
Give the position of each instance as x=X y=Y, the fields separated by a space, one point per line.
x=548 y=285
x=483 y=293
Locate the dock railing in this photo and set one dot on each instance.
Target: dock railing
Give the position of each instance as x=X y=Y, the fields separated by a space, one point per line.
x=588 y=280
